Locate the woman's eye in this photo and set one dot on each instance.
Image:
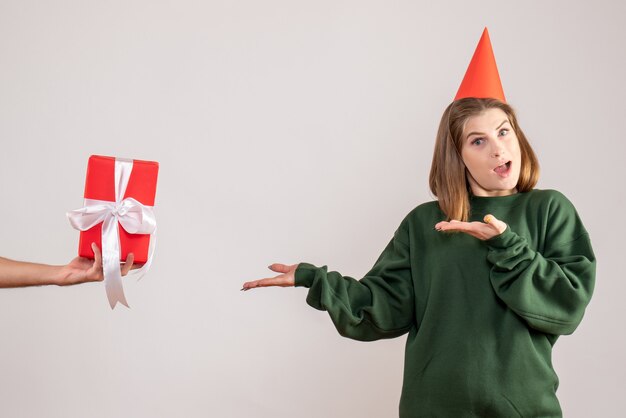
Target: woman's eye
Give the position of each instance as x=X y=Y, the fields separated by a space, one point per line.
x=475 y=142
x=506 y=131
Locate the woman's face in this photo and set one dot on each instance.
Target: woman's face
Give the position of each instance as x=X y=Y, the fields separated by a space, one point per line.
x=491 y=154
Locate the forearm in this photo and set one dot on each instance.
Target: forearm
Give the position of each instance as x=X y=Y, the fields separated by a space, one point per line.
x=369 y=309
x=549 y=292
x=20 y=274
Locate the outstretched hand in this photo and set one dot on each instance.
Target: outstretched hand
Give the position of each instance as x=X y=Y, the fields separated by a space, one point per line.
x=481 y=230
x=82 y=270
x=286 y=279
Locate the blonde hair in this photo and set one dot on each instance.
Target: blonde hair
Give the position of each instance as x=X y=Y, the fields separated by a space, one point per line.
x=448 y=179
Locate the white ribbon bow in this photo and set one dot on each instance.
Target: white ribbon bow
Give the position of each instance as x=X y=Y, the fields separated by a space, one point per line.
x=134 y=217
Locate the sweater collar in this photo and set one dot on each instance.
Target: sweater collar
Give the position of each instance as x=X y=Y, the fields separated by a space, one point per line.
x=491 y=201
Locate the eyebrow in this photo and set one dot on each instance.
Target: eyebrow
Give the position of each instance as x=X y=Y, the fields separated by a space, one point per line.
x=480 y=133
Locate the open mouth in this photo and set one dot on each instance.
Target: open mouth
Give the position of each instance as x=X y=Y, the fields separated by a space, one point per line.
x=503 y=169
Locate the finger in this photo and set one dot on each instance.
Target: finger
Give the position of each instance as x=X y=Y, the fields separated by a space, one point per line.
x=260 y=283
x=439 y=225
x=453 y=225
x=475 y=229
x=97 y=256
x=278 y=267
x=495 y=223
x=128 y=264
x=270 y=281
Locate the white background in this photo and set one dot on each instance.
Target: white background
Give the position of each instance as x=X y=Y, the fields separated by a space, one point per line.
x=286 y=131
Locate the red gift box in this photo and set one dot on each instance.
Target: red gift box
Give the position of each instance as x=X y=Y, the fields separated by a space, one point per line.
x=100 y=185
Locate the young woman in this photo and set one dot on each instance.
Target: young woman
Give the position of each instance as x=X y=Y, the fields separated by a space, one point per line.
x=79 y=270
x=484 y=295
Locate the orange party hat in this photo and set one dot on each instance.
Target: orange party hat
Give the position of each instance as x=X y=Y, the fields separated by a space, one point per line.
x=481 y=78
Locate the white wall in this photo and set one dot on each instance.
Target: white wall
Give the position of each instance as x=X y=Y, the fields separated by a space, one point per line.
x=286 y=131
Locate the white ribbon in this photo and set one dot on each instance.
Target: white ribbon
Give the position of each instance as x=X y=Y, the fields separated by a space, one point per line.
x=134 y=217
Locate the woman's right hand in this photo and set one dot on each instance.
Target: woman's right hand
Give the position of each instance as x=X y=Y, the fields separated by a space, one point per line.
x=286 y=279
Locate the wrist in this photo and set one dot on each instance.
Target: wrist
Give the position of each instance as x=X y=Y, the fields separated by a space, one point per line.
x=304 y=275
x=52 y=275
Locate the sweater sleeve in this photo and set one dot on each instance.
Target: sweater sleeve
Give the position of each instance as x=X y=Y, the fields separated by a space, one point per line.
x=380 y=305
x=549 y=290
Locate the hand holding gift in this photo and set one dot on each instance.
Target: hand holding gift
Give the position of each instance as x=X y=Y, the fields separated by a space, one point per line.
x=79 y=270
x=119 y=215
x=82 y=270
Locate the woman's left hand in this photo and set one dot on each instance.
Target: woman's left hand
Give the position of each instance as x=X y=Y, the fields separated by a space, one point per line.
x=481 y=230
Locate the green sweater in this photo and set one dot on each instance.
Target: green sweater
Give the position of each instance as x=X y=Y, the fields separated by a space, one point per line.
x=481 y=316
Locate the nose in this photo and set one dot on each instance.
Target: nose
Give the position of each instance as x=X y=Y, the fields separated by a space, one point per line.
x=497 y=150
